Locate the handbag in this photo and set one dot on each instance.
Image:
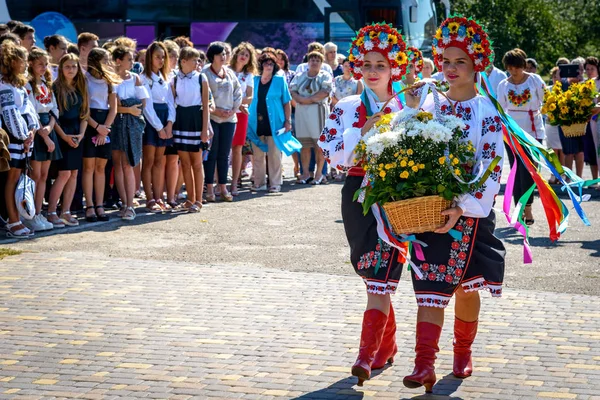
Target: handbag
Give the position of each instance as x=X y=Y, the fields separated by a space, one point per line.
x=24 y=194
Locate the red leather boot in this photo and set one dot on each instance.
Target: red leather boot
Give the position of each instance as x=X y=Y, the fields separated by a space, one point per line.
x=370 y=339
x=388 y=348
x=428 y=335
x=464 y=335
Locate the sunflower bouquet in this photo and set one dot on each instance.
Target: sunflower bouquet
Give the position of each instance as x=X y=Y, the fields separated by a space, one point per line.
x=412 y=155
x=571 y=108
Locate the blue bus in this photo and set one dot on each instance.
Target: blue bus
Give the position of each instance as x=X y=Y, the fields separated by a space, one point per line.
x=286 y=24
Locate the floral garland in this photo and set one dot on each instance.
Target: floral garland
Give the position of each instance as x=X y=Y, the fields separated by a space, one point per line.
x=519 y=100
x=384 y=39
x=466 y=34
x=415 y=57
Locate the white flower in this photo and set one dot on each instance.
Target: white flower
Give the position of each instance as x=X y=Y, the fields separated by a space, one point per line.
x=368 y=45
x=396 y=71
x=382 y=45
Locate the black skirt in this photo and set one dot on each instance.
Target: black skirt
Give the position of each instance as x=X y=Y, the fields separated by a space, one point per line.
x=151 y=137
x=475 y=262
x=187 y=129
x=90 y=150
x=571 y=145
x=40 y=150
x=373 y=259
x=72 y=158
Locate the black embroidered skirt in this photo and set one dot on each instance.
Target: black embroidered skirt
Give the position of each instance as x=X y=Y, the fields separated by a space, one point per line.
x=475 y=262
x=187 y=129
x=373 y=260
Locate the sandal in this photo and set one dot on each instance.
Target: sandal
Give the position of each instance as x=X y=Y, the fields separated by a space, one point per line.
x=68 y=219
x=91 y=218
x=226 y=197
x=210 y=198
x=321 y=181
x=55 y=221
x=172 y=204
x=101 y=217
x=274 y=189
x=195 y=207
x=129 y=214
x=183 y=207
x=164 y=207
x=152 y=207
x=18 y=233
x=528 y=221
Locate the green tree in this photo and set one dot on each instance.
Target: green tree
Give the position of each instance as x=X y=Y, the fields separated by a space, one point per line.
x=544 y=29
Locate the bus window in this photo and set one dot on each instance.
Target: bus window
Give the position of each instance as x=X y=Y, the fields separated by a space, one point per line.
x=219 y=11
x=26 y=10
x=420 y=32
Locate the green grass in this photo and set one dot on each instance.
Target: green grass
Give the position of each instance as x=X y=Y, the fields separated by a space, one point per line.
x=8 y=252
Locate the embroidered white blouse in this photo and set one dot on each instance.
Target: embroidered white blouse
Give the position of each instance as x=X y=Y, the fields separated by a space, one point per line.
x=129 y=90
x=523 y=103
x=484 y=130
x=341 y=133
x=160 y=92
x=43 y=102
x=246 y=80
x=188 y=89
x=18 y=112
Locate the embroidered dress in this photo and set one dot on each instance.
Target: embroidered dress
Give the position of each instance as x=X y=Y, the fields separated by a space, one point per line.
x=373 y=259
x=523 y=103
x=188 y=121
x=345 y=87
x=45 y=105
x=18 y=119
x=474 y=261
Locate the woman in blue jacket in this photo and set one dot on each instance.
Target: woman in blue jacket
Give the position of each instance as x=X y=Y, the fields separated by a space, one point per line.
x=270 y=124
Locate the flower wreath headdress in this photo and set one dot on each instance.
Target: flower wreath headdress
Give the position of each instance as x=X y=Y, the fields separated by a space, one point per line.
x=384 y=39
x=466 y=34
x=416 y=57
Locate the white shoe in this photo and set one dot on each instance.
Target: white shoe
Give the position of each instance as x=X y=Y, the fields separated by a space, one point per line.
x=34 y=225
x=45 y=222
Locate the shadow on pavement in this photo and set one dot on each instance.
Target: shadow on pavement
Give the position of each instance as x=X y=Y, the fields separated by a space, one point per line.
x=345 y=389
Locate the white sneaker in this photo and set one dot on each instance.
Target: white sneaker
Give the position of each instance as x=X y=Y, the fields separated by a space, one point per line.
x=45 y=222
x=34 y=225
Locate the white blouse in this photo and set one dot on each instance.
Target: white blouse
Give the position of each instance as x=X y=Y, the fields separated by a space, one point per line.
x=523 y=103
x=341 y=133
x=160 y=92
x=18 y=112
x=43 y=102
x=188 y=91
x=97 y=92
x=484 y=130
x=246 y=80
x=129 y=90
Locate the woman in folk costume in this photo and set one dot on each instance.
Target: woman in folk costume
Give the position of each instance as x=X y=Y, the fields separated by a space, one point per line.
x=378 y=56
x=471 y=258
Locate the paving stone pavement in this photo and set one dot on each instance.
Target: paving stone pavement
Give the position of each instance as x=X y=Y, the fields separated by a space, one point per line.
x=117 y=328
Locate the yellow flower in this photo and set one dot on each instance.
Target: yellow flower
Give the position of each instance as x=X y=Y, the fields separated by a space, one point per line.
x=470 y=32
x=478 y=48
x=411 y=163
x=455 y=161
x=442 y=160
x=438 y=34
x=351 y=58
x=415 y=168
x=382 y=174
x=401 y=58
x=453 y=27
x=552 y=107
x=393 y=39
x=404 y=174
x=409 y=152
x=564 y=110
x=396 y=154
x=373 y=34
x=381 y=165
x=403 y=163
x=360 y=41
x=544 y=109
x=421 y=166
x=457 y=171
x=586 y=102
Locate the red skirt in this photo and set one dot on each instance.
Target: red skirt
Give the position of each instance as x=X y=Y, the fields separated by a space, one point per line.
x=239 y=137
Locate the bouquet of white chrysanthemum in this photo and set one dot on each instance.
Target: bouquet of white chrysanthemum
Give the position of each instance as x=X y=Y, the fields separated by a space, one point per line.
x=411 y=154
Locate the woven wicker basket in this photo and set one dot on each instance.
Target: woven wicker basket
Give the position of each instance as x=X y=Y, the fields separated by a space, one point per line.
x=418 y=215
x=573 y=130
